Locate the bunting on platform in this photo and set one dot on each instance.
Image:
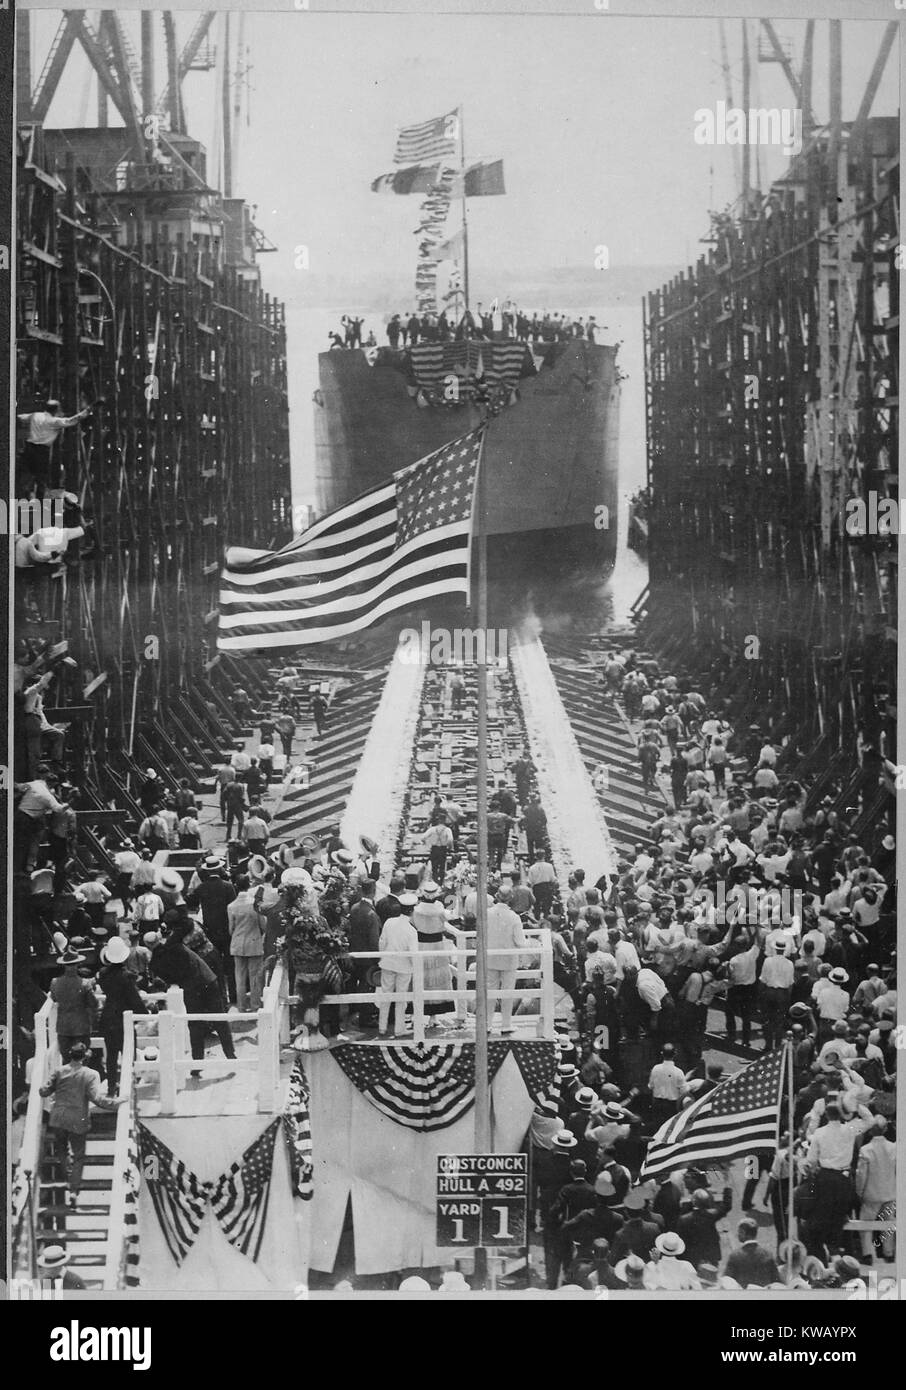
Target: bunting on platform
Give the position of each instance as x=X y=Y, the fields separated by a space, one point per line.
x=430 y=1088
x=239 y=1198
x=180 y=1200
x=297 y=1128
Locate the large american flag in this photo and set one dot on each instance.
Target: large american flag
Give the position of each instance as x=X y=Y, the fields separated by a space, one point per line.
x=406 y=540
x=430 y=1088
x=429 y=140
x=180 y=1199
x=239 y=1198
x=740 y=1116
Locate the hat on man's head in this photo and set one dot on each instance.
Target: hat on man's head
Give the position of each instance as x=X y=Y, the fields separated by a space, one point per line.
x=564 y=1141
x=430 y=891
x=53 y=1257
x=799 y=1010
x=71 y=958
x=636 y=1198
x=170 y=881
x=780 y=945
x=612 y=1111
x=115 y=952
x=838 y=976
x=566 y=1070
x=585 y=1097
x=669 y=1243
x=631 y=1270
x=604 y=1186
x=213 y=864
x=407 y=899
x=343 y=858
x=414 y=1284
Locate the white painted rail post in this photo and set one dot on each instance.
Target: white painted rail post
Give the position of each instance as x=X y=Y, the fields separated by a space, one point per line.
x=176 y=1005
x=268 y=1061
x=418 y=998
x=167 y=1025
x=546 y=1013
x=461 y=976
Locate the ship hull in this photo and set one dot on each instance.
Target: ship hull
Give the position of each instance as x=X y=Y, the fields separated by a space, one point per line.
x=551 y=458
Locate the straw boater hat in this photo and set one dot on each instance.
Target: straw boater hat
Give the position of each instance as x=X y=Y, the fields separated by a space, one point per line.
x=170 y=881
x=565 y=1141
x=585 y=1097
x=369 y=846
x=669 y=1243
x=296 y=878
x=566 y=1070
x=115 y=952
x=343 y=858
x=631 y=1271
x=430 y=891
x=838 y=976
x=259 y=869
x=213 y=864
x=53 y=1257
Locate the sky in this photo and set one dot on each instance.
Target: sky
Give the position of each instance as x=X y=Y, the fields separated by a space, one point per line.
x=594 y=122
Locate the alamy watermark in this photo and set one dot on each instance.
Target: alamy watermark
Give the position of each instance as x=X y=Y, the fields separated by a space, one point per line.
x=731 y=125
x=20 y=516
x=872 y=515
x=444 y=646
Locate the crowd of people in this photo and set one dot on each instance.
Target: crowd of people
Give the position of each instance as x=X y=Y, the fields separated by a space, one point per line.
x=489 y=322
x=751 y=906
x=751 y=915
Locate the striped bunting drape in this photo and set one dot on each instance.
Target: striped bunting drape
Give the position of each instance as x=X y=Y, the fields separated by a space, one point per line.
x=401 y=542
x=180 y=1199
x=240 y=1196
x=297 y=1128
x=430 y=1088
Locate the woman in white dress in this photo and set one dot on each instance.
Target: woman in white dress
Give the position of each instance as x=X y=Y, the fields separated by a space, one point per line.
x=430 y=922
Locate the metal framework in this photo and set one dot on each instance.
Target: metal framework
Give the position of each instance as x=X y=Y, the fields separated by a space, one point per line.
x=772 y=399
x=146 y=305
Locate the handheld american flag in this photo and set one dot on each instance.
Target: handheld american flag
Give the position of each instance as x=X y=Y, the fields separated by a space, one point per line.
x=406 y=540
x=740 y=1116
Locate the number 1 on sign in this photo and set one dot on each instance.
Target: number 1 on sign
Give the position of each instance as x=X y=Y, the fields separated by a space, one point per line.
x=458 y=1230
x=503 y=1223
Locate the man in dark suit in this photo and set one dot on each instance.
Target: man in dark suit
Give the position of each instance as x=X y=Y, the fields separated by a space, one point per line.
x=750 y=1264
x=698 y=1227
x=363 y=931
x=75 y=1088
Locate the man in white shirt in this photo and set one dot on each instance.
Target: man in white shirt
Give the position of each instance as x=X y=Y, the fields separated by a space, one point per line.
x=541 y=878
x=667 y=1084
x=776 y=978
x=505 y=932
x=651 y=990
x=741 y=992
x=624 y=953
x=832 y=1001
x=398 y=935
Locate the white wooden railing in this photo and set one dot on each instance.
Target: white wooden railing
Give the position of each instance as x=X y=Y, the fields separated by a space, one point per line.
x=25 y=1185
x=174 y=1059
x=116 y=1228
x=457 y=956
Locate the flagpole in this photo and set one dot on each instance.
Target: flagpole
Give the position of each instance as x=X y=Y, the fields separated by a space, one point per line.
x=465 y=220
x=482 y=1081
x=791 y=1175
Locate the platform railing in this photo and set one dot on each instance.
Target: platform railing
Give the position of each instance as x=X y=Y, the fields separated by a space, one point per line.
x=117 y=1233
x=27 y=1175
x=174 y=1060
x=458 y=956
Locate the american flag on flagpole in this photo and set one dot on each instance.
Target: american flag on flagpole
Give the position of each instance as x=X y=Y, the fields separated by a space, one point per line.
x=740 y=1116
x=239 y=1198
x=180 y=1199
x=406 y=540
x=428 y=141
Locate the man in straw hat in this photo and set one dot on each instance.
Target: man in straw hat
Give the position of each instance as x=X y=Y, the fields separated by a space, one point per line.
x=53 y=1264
x=76 y=1003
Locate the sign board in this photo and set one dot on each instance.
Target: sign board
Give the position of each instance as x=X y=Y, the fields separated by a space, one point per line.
x=482 y=1199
